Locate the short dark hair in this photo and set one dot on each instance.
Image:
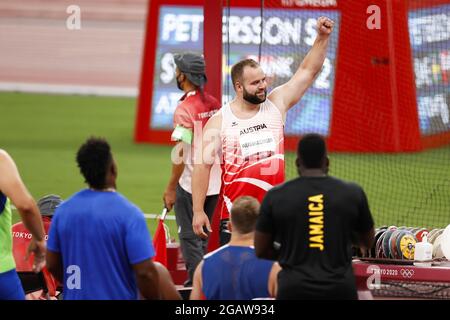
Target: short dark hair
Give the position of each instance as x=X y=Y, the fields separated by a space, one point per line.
x=312 y=150
x=94 y=158
x=238 y=69
x=244 y=213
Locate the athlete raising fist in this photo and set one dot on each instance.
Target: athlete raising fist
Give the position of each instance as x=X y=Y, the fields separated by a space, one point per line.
x=249 y=131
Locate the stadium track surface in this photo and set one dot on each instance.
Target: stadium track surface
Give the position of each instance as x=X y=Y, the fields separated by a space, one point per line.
x=36 y=46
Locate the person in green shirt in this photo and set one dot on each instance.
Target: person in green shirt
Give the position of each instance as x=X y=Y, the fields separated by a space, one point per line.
x=12 y=189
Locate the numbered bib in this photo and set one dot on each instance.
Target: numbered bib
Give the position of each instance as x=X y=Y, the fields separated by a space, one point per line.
x=254 y=143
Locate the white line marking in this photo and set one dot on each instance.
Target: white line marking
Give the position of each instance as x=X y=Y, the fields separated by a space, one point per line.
x=154 y=216
x=69 y=89
x=146 y=215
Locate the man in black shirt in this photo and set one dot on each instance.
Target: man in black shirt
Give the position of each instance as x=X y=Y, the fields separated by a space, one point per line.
x=307 y=225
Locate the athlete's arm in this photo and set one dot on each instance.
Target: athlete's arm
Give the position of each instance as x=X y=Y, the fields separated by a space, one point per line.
x=166 y=285
x=264 y=246
x=365 y=225
x=288 y=94
x=197 y=286
x=169 y=196
x=55 y=266
x=200 y=177
x=11 y=186
x=273 y=279
x=264 y=231
x=366 y=239
x=147 y=279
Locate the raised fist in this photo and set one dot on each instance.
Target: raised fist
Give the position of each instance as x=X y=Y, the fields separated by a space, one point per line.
x=324 y=26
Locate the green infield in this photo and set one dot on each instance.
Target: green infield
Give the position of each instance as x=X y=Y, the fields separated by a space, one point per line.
x=43 y=133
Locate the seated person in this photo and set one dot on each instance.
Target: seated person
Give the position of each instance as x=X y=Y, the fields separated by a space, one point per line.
x=41 y=285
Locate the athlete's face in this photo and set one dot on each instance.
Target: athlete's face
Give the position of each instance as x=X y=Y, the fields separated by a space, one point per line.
x=254 y=88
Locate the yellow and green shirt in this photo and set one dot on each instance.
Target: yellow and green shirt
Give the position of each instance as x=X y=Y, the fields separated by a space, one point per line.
x=6 y=256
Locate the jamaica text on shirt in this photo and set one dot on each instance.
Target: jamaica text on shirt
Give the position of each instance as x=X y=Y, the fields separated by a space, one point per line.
x=316 y=222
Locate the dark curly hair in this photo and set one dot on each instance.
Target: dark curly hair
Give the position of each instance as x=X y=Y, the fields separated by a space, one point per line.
x=94 y=158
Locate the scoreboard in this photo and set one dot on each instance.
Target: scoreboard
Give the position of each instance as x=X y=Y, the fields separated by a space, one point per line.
x=286 y=40
x=429 y=30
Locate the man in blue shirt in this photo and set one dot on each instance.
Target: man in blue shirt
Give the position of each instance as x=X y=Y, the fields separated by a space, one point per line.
x=233 y=272
x=99 y=246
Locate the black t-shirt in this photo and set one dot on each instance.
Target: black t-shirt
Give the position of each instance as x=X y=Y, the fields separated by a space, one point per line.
x=313 y=219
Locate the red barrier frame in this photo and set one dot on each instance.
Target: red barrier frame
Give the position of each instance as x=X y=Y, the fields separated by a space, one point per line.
x=143 y=132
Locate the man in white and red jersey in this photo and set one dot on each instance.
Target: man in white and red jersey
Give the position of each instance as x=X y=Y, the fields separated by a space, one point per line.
x=248 y=132
x=195 y=108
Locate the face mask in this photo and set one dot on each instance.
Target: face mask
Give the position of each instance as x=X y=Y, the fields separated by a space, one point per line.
x=178 y=82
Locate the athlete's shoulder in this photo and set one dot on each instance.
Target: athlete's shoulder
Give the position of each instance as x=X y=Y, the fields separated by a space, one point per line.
x=200 y=98
x=345 y=183
x=347 y=186
x=123 y=211
x=285 y=186
x=273 y=103
x=127 y=204
x=182 y=116
x=4 y=156
x=216 y=120
x=190 y=102
x=73 y=201
x=211 y=99
x=213 y=253
x=183 y=107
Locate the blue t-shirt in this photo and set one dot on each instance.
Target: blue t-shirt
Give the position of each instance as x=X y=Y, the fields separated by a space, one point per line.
x=235 y=273
x=99 y=235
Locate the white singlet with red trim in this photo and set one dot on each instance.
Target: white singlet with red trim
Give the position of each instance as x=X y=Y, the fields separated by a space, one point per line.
x=252 y=154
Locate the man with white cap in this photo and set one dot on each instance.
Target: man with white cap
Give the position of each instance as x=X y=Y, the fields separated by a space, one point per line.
x=43 y=285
